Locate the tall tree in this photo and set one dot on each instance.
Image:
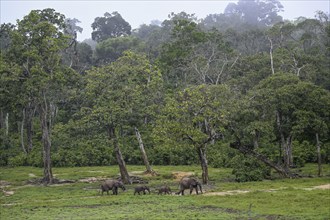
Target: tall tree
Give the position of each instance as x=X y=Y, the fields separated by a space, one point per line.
x=196 y=116
x=111 y=49
x=110 y=26
x=114 y=94
x=287 y=102
x=256 y=12
x=36 y=46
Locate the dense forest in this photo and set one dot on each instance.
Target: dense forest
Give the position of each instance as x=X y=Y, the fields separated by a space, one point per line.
x=244 y=89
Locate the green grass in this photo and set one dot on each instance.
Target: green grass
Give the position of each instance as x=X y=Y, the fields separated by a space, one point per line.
x=289 y=198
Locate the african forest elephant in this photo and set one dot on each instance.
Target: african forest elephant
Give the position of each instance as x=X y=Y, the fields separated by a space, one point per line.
x=165 y=190
x=112 y=185
x=143 y=189
x=189 y=183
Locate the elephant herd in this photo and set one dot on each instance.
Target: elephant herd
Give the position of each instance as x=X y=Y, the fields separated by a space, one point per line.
x=185 y=183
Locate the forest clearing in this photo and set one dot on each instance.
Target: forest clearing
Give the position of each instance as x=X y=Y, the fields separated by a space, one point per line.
x=235 y=105
x=222 y=198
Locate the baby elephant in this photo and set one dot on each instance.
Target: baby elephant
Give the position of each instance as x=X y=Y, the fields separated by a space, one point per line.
x=143 y=189
x=165 y=190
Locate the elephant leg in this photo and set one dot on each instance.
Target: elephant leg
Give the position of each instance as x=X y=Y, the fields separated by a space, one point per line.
x=191 y=189
x=196 y=188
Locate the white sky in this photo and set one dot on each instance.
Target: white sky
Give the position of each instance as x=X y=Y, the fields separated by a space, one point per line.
x=137 y=12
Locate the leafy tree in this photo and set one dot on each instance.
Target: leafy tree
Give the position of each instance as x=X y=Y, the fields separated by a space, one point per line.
x=85 y=57
x=196 y=116
x=152 y=36
x=256 y=12
x=224 y=22
x=5 y=38
x=114 y=98
x=70 y=57
x=36 y=45
x=195 y=57
x=144 y=31
x=71 y=26
x=286 y=101
x=300 y=49
x=110 y=26
x=111 y=49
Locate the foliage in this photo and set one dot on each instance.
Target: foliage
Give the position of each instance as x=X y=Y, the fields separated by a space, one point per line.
x=110 y=26
x=248 y=169
x=261 y=13
x=191 y=86
x=111 y=49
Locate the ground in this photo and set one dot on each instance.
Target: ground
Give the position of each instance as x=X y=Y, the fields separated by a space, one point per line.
x=79 y=197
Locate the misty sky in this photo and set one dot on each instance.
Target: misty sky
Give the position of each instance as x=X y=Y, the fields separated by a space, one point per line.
x=142 y=12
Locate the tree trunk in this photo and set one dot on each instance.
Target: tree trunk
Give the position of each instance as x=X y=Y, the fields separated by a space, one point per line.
x=256 y=139
x=318 y=150
x=2 y=121
x=281 y=170
x=271 y=55
x=289 y=146
x=30 y=111
x=48 y=175
x=144 y=154
x=121 y=163
x=22 y=132
x=7 y=123
x=204 y=165
x=285 y=142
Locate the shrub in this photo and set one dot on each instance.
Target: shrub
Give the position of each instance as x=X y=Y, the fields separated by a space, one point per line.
x=249 y=169
x=18 y=160
x=220 y=156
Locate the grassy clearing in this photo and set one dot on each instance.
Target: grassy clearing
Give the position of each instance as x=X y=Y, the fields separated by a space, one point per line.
x=276 y=199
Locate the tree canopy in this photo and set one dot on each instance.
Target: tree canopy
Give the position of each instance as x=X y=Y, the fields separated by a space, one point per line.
x=243 y=89
x=110 y=26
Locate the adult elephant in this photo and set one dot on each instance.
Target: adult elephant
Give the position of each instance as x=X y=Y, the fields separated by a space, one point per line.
x=112 y=185
x=189 y=183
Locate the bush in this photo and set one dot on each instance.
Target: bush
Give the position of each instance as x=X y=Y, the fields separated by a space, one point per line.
x=221 y=156
x=84 y=155
x=18 y=160
x=249 y=169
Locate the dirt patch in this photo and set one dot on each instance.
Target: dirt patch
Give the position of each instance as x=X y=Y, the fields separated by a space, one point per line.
x=91 y=180
x=325 y=187
x=179 y=175
x=235 y=192
x=32 y=175
x=8 y=193
x=136 y=173
x=232 y=192
x=40 y=181
x=4 y=183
